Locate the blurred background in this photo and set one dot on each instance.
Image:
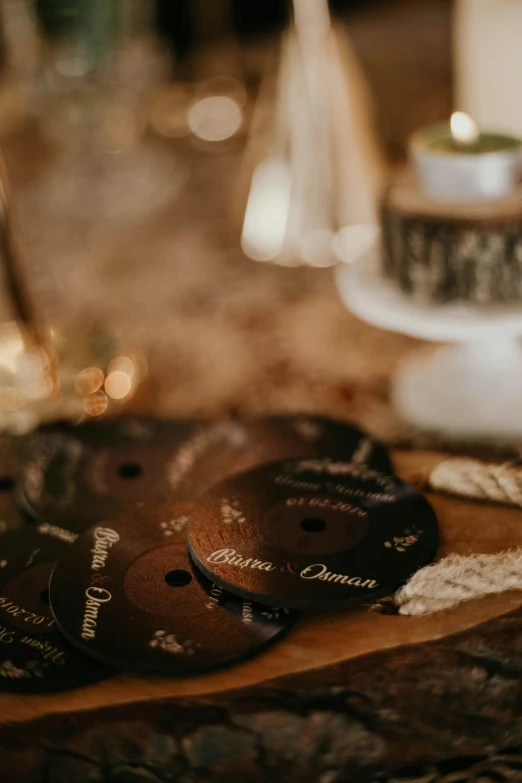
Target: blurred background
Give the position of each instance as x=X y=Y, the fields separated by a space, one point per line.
x=187 y=173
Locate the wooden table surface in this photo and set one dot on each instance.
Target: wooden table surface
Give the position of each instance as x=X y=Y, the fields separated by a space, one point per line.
x=415 y=689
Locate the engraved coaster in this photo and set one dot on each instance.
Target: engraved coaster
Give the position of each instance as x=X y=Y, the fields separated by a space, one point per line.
x=34 y=657
x=312 y=533
x=129 y=595
x=78 y=475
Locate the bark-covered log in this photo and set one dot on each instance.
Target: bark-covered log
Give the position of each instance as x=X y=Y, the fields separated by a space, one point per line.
x=362 y=720
x=445 y=252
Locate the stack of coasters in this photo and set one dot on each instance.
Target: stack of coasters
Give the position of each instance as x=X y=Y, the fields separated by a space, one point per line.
x=178 y=547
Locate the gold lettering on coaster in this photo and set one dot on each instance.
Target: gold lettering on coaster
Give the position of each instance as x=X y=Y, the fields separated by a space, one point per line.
x=104 y=539
x=320 y=571
x=313 y=571
x=290 y=481
x=214 y=597
x=6 y=637
x=231 y=557
x=50 y=653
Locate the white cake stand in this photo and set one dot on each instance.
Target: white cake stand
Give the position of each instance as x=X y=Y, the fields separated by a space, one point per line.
x=471 y=389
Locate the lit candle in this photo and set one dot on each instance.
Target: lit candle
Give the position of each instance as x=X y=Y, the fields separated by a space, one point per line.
x=455 y=162
x=464 y=130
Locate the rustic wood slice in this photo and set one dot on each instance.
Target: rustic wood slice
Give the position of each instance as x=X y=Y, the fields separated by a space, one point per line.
x=344 y=696
x=444 y=252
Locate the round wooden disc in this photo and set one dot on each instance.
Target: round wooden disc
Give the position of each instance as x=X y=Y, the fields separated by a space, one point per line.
x=312 y=533
x=128 y=594
x=78 y=475
x=34 y=657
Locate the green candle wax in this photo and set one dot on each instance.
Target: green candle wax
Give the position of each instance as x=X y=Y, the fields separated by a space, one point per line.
x=439 y=139
x=486 y=142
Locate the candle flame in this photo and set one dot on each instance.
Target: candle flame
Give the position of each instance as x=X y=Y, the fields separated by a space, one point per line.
x=463 y=129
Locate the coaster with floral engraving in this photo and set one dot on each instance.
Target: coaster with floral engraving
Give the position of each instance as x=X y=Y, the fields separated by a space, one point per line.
x=312 y=533
x=34 y=657
x=78 y=475
x=248 y=443
x=128 y=594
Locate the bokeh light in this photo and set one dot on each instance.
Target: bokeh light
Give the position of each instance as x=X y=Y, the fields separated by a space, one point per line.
x=118 y=385
x=123 y=364
x=89 y=380
x=215 y=118
x=95 y=404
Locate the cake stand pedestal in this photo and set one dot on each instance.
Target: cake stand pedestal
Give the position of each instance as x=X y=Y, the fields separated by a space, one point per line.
x=469 y=389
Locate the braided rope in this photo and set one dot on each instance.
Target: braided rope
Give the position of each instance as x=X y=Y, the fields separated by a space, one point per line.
x=478 y=480
x=459 y=578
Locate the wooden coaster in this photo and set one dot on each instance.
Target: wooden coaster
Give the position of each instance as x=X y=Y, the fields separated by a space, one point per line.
x=34 y=657
x=75 y=476
x=312 y=534
x=127 y=594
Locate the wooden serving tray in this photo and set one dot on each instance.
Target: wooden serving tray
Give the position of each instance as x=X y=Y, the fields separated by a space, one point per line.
x=343 y=696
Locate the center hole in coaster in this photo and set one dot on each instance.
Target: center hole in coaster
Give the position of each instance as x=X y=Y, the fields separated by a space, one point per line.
x=313 y=524
x=6 y=483
x=130 y=470
x=178 y=577
x=44 y=596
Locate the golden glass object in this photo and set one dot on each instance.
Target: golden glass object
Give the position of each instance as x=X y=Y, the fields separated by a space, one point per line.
x=45 y=373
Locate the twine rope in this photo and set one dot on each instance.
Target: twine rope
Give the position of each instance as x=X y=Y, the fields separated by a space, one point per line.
x=478 y=480
x=459 y=578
